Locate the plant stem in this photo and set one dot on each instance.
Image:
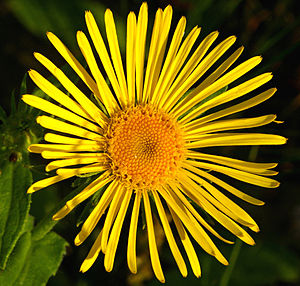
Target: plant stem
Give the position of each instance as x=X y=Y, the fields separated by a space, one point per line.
x=232 y=261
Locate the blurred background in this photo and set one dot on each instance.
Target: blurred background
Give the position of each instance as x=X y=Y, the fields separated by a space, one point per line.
x=267 y=28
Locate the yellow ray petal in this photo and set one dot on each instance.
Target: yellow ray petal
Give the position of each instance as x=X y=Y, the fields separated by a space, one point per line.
x=234 y=109
x=55 y=138
x=130 y=56
x=192 y=225
x=174 y=92
x=61 y=155
x=53 y=109
x=93 y=168
x=169 y=235
x=39 y=148
x=174 y=46
x=151 y=239
x=96 y=214
x=102 y=52
x=111 y=215
x=229 y=124
x=131 y=247
x=87 y=192
x=87 y=104
x=238 y=174
x=193 y=191
x=226 y=79
x=58 y=125
x=211 y=78
x=141 y=33
x=231 y=94
x=71 y=162
x=105 y=93
x=231 y=189
x=73 y=62
x=47 y=182
x=115 y=54
x=115 y=232
x=159 y=54
x=178 y=192
x=93 y=254
x=234 y=163
x=219 y=200
x=237 y=139
x=56 y=94
x=153 y=53
x=188 y=246
x=176 y=65
x=218 y=72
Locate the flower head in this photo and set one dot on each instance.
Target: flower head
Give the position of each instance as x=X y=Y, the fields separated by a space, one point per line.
x=145 y=134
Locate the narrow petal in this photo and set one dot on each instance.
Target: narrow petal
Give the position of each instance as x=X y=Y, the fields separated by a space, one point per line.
x=115 y=232
x=234 y=163
x=226 y=79
x=71 y=162
x=237 y=139
x=131 y=247
x=53 y=109
x=113 y=43
x=111 y=215
x=39 y=148
x=159 y=54
x=62 y=155
x=93 y=254
x=106 y=95
x=238 y=174
x=196 y=194
x=233 y=109
x=231 y=94
x=152 y=242
x=230 y=188
x=86 y=103
x=141 y=33
x=102 y=52
x=192 y=225
x=184 y=200
x=169 y=235
x=174 y=92
x=187 y=244
x=220 y=201
x=130 y=56
x=176 y=65
x=47 y=182
x=93 y=168
x=229 y=124
x=55 y=138
x=58 y=125
x=56 y=94
x=173 y=48
x=87 y=192
x=153 y=53
x=73 y=62
x=96 y=214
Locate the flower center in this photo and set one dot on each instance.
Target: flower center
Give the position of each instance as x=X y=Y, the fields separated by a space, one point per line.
x=145 y=146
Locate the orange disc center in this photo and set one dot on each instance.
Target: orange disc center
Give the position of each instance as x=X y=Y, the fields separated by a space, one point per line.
x=145 y=146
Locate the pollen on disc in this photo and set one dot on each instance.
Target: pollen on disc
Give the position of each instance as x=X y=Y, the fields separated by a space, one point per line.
x=145 y=146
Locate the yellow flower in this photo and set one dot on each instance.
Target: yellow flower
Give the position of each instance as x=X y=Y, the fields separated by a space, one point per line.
x=147 y=140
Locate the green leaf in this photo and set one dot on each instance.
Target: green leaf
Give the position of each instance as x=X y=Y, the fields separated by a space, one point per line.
x=44 y=259
x=16 y=261
x=14 y=206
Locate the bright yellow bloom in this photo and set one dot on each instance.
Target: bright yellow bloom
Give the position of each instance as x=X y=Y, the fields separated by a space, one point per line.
x=147 y=140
